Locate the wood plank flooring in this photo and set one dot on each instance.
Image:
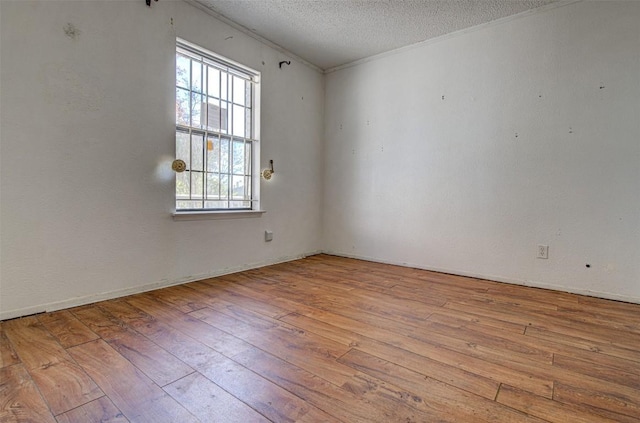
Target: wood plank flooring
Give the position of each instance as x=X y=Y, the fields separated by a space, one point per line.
x=327 y=339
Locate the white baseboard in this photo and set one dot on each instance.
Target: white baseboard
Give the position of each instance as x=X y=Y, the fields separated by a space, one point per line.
x=94 y=298
x=495 y=278
x=88 y=299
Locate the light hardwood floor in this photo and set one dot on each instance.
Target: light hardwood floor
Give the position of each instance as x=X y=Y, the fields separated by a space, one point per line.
x=327 y=339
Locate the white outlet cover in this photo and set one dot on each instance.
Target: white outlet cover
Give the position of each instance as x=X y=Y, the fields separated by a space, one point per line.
x=268 y=236
x=543 y=251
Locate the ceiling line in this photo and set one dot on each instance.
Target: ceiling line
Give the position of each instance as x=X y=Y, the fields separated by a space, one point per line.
x=454 y=34
x=253 y=35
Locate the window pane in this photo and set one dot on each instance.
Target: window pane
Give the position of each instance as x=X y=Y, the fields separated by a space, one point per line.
x=247 y=93
x=196 y=76
x=224 y=186
x=224 y=155
x=182 y=71
x=196 y=110
x=182 y=185
x=240 y=205
x=238 y=90
x=213 y=185
x=225 y=117
x=238 y=121
x=197 y=184
x=188 y=205
x=217 y=117
x=213 y=82
x=197 y=152
x=238 y=187
x=223 y=85
x=183 y=114
x=183 y=148
x=215 y=204
x=247 y=159
x=247 y=185
x=247 y=124
x=238 y=157
x=213 y=114
x=213 y=154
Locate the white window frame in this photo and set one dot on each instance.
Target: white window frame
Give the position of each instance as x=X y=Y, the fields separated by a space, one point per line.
x=253 y=77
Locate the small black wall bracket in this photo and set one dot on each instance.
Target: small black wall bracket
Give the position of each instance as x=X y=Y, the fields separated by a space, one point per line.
x=149 y=2
x=286 y=62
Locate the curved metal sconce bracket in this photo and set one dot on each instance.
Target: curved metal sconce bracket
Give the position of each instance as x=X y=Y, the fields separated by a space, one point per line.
x=268 y=173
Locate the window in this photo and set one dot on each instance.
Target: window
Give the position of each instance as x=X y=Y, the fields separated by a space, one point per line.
x=217 y=123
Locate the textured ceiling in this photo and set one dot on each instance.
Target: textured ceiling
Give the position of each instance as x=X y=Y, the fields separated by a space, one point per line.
x=330 y=33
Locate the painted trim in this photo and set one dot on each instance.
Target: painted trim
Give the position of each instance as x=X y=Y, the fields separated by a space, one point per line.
x=213 y=215
x=494 y=278
x=89 y=299
x=455 y=34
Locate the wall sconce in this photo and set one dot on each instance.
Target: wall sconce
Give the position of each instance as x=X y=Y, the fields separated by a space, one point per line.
x=268 y=173
x=178 y=166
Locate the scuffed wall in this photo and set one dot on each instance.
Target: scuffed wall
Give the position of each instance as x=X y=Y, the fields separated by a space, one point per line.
x=87 y=115
x=464 y=154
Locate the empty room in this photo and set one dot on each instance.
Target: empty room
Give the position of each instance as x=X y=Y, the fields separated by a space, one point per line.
x=319 y=211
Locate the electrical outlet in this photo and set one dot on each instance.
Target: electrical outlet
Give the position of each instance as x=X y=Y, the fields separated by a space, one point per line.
x=268 y=236
x=543 y=252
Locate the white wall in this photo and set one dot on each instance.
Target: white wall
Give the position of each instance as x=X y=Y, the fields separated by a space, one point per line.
x=84 y=122
x=526 y=148
x=409 y=177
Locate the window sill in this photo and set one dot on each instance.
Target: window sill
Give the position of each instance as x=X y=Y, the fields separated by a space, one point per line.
x=215 y=215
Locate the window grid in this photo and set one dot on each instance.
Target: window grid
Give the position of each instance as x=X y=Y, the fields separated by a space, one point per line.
x=230 y=184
